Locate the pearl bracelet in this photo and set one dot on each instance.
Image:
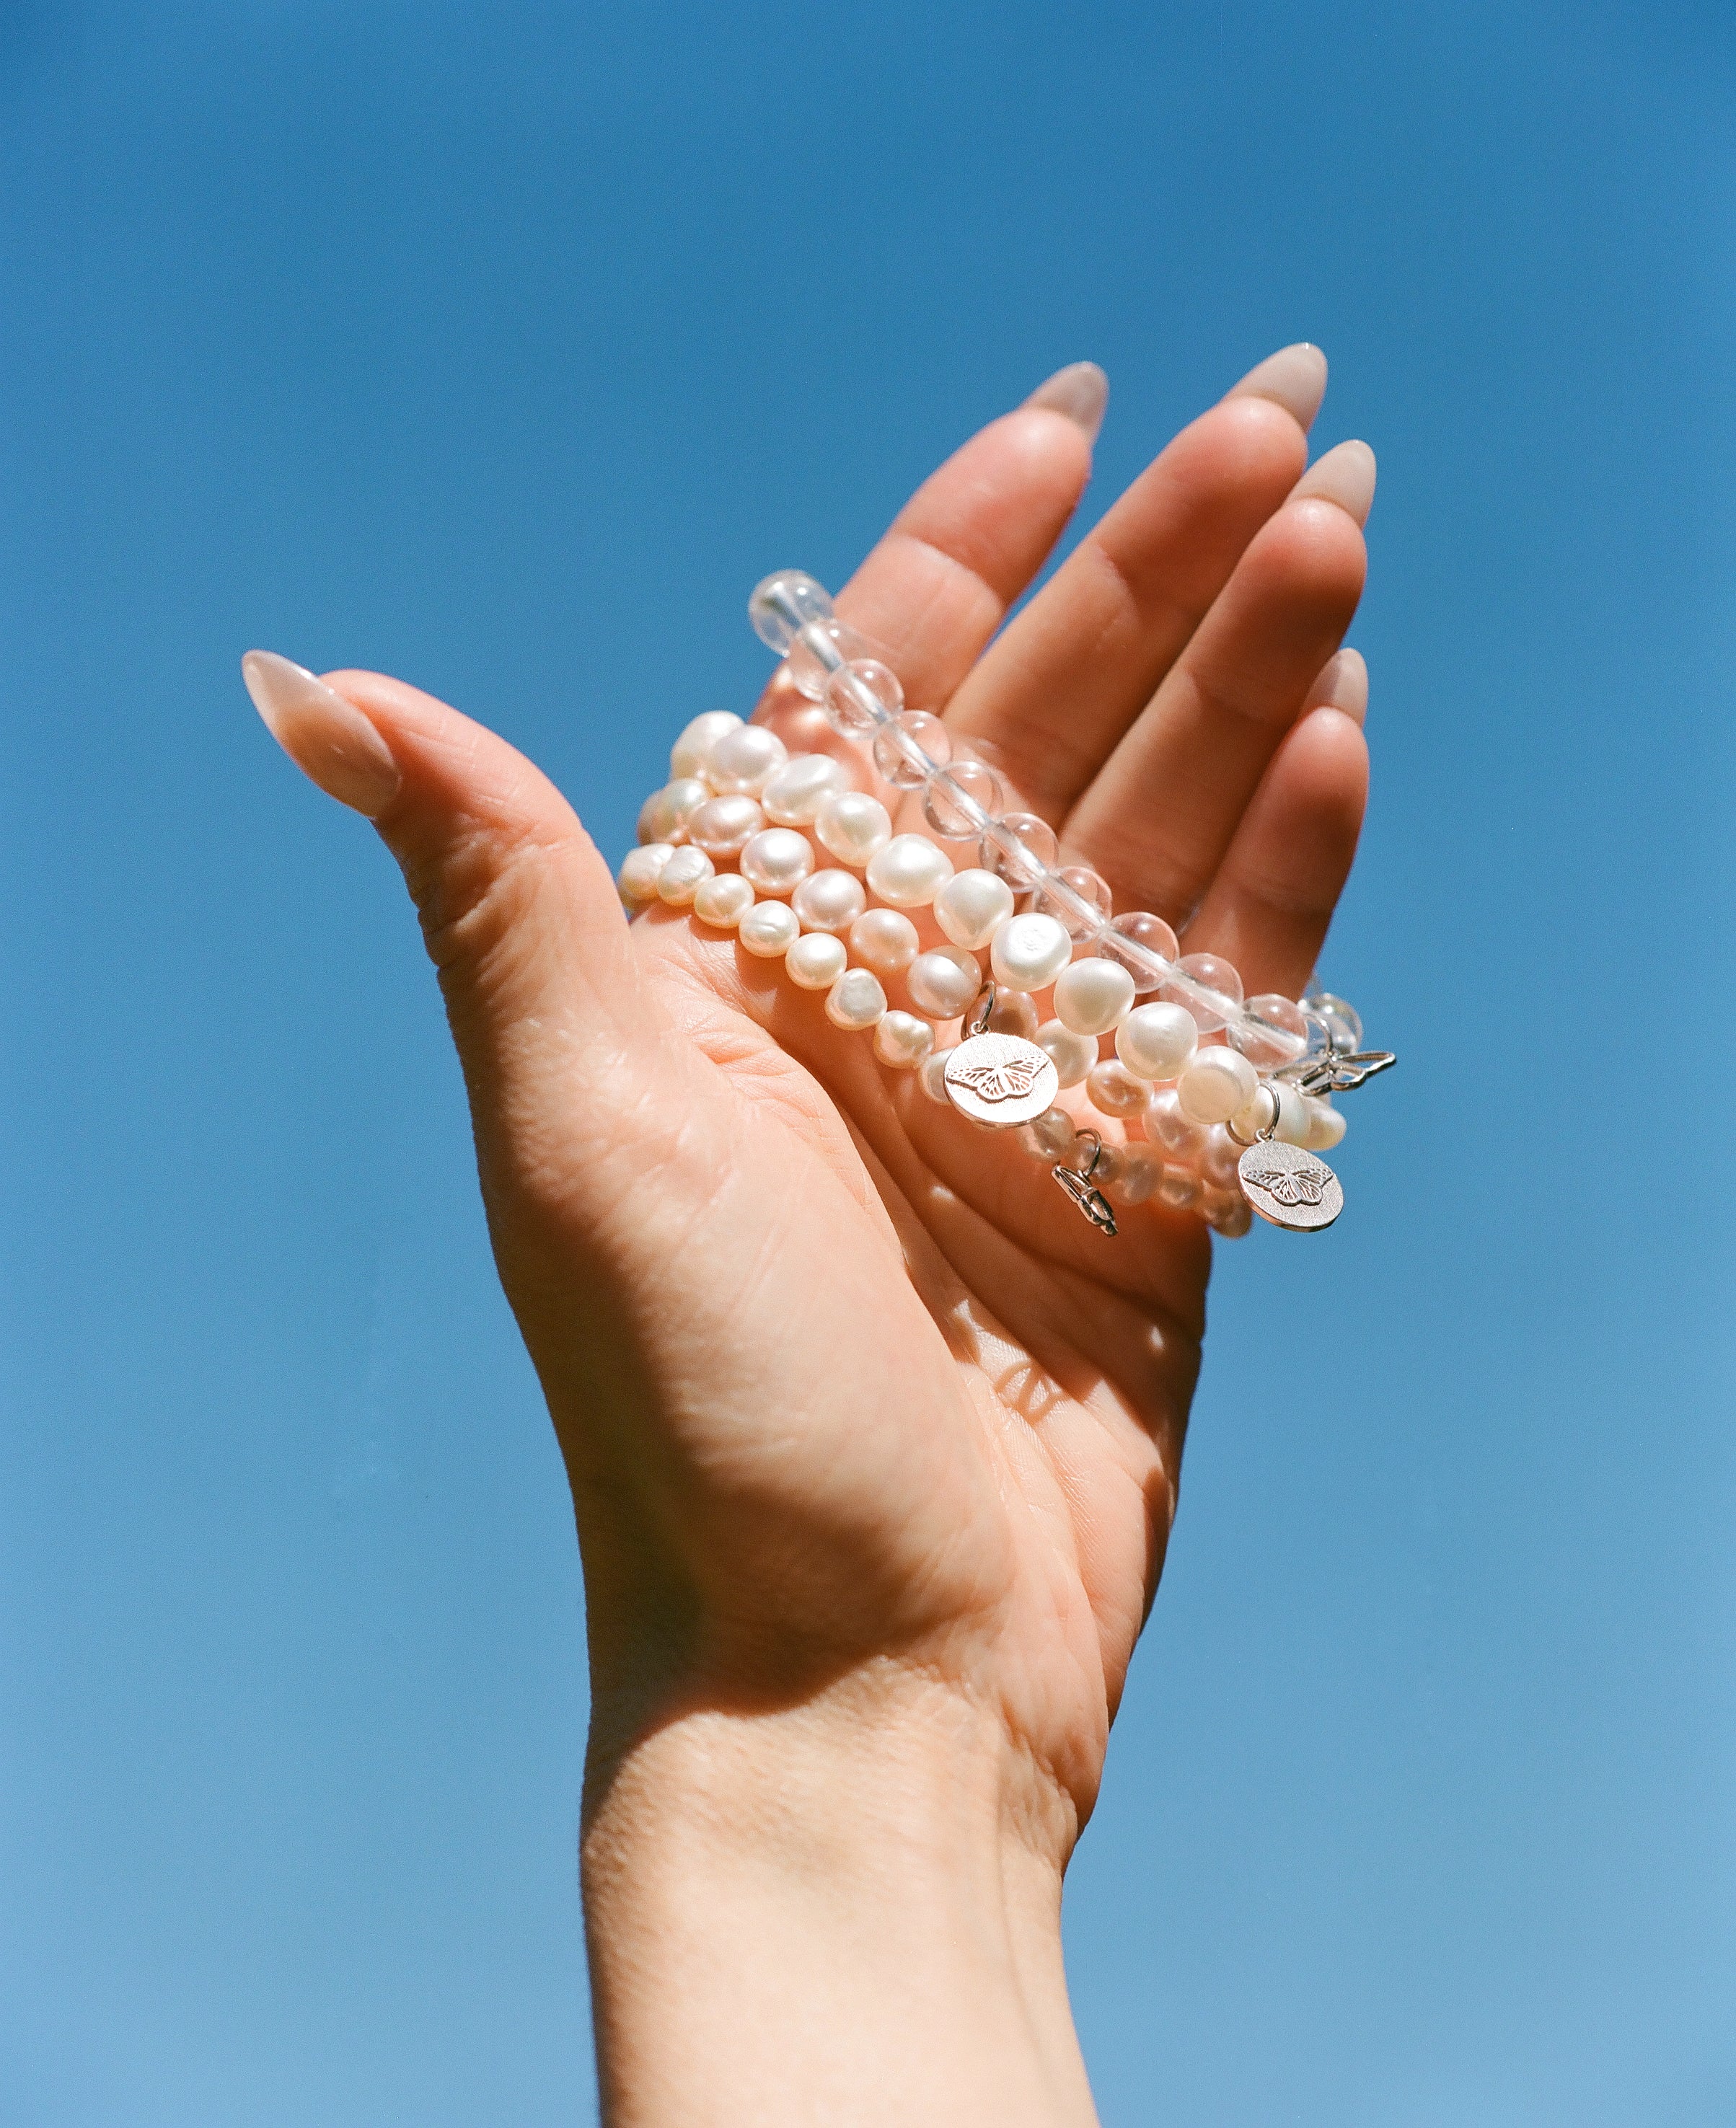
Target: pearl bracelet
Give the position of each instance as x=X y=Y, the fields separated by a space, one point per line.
x=1234 y=1093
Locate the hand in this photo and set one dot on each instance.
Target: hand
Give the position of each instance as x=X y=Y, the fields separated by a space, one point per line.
x=874 y=1442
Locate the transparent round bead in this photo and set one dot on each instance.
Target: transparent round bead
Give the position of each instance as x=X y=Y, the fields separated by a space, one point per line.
x=777 y=860
x=822 y=648
x=1281 y=1039
x=960 y=801
x=855 y=1000
x=861 y=696
x=783 y=602
x=723 y=827
x=931 y=1078
x=792 y=794
x=768 y=929
x=1137 y=1176
x=1030 y=952
x=1179 y=1189
x=664 y=815
x=909 y=871
x=1093 y=995
x=1073 y=1055
x=1217 y=1083
x=902 y=1040
x=1019 y=847
x=829 y=900
x=682 y=876
x=1219 y=1160
x=971 y=907
x=1051 y=1137
x=1083 y=917
x=1112 y=1087
x=1228 y=1213
x=1181 y=1137
x=1343 y=1022
x=692 y=750
x=1156 y=1041
x=884 y=940
x=909 y=749
x=639 y=872
x=943 y=981
x=744 y=762
x=1137 y=940
x=1012 y=1013
x=853 y=826
x=722 y=902
x=816 y=961
x=1213 y=993
x=1325 y=1124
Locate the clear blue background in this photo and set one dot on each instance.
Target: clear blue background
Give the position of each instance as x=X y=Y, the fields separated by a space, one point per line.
x=503 y=347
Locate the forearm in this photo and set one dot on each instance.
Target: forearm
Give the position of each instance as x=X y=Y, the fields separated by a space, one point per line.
x=844 y=1911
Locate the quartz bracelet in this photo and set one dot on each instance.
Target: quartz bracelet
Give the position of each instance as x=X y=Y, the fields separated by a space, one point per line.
x=1231 y=1095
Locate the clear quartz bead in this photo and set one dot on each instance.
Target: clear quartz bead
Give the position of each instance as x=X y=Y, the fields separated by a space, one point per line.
x=909 y=748
x=783 y=603
x=821 y=649
x=1139 y=942
x=1272 y=1031
x=861 y=696
x=1019 y=847
x=1077 y=897
x=961 y=800
x=1211 y=991
x=1343 y=1022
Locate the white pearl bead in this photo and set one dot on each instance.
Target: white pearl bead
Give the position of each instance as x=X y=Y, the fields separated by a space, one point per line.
x=1253 y=1117
x=1073 y=1055
x=1012 y=1013
x=829 y=900
x=1325 y=1125
x=778 y=860
x=1220 y=1161
x=723 y=827
x=792 y=794
x=931 y=1078
x=722 y=902
x=1293 y=1118
x=971 y=907
x=1112 y=1087
x=663 y=817
x=943 y=981
x=902 y=1040
x=909 y=871
x=1217 y=1083
x=853 y=826
x=744 y=762
x=692 y=750
x=639 y=872
x=1156 y=1041
x=1052 y=1136
x=682 y=876
x=884 y=941
x=1030 y=952
x=769 y=929
x=816 y=961
x=855 y=1000
x=1139 y=1173
x=1165 y=1125
x=1092 y=996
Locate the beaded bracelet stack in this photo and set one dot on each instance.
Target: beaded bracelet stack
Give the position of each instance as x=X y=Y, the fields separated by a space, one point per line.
x=1233 y=1092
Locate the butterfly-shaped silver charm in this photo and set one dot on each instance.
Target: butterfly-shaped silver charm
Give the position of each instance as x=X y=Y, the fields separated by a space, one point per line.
x=1000 y=1078
x=1289 y=1187
x=1339 y=1071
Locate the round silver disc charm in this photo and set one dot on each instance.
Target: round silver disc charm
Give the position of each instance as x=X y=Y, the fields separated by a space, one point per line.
x=1001 y=1079
x=1289 y=1187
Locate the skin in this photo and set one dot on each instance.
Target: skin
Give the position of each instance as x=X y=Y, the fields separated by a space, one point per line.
x=873 y=1443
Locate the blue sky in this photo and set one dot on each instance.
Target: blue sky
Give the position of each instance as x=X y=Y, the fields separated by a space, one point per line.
x=504 y=348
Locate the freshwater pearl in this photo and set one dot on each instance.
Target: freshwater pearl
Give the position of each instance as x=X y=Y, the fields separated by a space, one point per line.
x=664 y=815
x=639 y=872
x=744 y=762
x=829 y=900
x=1073 y=1055
x=909 y=871
x=682 y=876
x=1215 y=1085
x=853 y=826
x=1253 y=1117
x=1137 y=1177
x=902 y=1040
x=884 y=941
x=1012 y=1013
x=931 y=1078
x=1178 y=1190
x=816 y=961
x=1030 y=952
x=1156 y=1041
x=1180 y=1135
x=769 y=929
x=1112 y=1087
x=792 y=794
x=943 y=981
x=692 y=750
x=1228 y=1213
x=1052 y=1136
x=972 y=906
x=722 y=902
x=1220 y=1160
x=855 y=1000
x=778 y=860
x=1325 y=1125
x=1092 y=996
x=723 y=827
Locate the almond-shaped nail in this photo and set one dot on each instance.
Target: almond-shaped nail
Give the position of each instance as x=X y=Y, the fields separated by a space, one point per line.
x=328 y=739
x=1343 y=685
x=1344 y=475
x=1295 y=378
x=1081 y=392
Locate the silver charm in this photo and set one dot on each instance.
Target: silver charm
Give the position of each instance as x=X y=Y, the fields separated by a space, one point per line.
x=1339 y=1071
x=1084 y=1192
x=1001 y=1080
x=1289 y=1187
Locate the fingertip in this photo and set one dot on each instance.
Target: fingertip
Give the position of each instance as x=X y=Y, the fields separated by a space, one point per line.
x=1294 y=378
x=1080 y=391
x=1343 y=685
x=1345 y=475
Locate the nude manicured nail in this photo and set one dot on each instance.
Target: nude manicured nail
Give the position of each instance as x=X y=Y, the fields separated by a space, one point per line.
x=1343 y=685
x=1343 y=475
x=328 y=739
x=1295 y=378
x=1081 y=392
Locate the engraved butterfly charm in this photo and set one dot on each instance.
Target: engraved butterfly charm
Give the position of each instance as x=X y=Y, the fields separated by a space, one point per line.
x=1008 y=1081
x=1000 y=1078
x=1291 y=1186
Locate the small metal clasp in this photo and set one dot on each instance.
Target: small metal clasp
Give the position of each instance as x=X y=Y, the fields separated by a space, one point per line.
x=1091 y=1201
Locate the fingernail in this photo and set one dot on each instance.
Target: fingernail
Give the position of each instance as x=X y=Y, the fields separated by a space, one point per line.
x=328 y=739
x=1081 y=392
x=1343 y=685
x=1294 y=376
x=1343 y=475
